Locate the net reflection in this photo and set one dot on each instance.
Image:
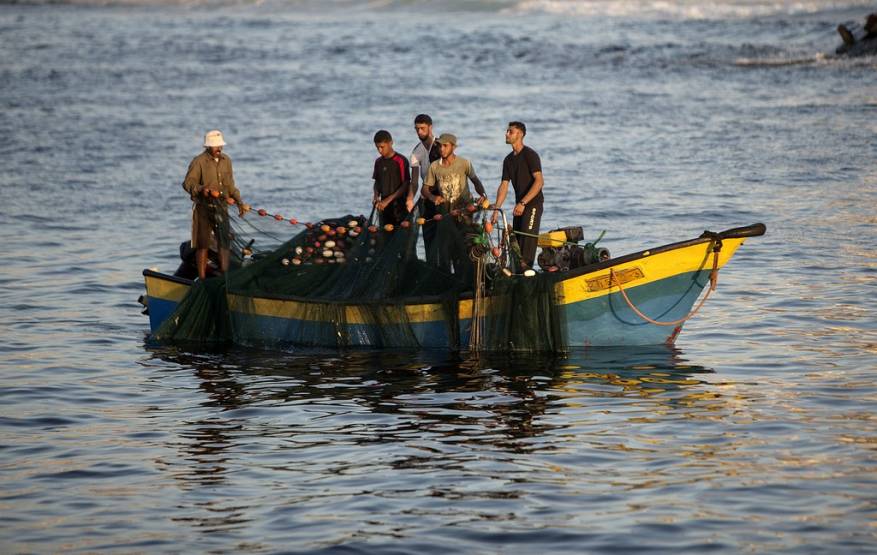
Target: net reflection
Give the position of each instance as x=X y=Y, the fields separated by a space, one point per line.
x=463 y=398
x=397 y=429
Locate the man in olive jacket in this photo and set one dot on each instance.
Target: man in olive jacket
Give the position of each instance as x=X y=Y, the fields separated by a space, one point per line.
x=210 y=182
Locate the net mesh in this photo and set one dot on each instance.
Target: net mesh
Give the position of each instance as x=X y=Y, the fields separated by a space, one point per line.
x=354 y=284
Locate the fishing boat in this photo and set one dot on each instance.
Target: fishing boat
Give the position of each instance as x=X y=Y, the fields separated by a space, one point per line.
x=638 y=299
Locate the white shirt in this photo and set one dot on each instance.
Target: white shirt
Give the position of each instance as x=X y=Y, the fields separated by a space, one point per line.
x=420 y=159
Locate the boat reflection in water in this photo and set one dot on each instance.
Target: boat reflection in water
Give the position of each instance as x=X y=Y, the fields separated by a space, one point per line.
x=395 y=430
x=500 y=392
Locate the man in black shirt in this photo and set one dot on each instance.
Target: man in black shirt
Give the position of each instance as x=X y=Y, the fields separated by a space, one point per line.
x=524 y=169
x=392 y=177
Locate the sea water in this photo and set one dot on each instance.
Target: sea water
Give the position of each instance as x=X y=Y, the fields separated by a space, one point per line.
x=654 y=121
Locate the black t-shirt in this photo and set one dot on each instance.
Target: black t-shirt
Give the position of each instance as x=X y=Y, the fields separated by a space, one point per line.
x=390 y=174
x=519 y=168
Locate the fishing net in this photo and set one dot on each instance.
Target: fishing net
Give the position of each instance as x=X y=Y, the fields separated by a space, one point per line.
x=348 y=282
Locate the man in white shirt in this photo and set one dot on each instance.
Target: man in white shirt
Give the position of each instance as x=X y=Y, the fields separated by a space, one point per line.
x=426 y=151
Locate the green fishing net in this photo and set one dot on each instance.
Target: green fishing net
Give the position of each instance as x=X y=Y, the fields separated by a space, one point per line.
x=337 y=262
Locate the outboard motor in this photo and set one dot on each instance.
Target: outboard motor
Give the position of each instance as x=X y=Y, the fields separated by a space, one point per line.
x=187 y=268
x=561 y=251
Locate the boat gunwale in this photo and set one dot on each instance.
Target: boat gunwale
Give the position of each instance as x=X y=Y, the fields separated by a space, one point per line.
x=438 y=299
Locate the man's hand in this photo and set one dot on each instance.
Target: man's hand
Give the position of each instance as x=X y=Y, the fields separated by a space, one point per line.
x=494 y=216
x=519 y=209
x=409 y=204
x=438 y=200
x=243 y=208
x=381 y=204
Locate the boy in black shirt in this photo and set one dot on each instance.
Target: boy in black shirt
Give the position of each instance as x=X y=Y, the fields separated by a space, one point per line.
x=392 y=177
x=524 y=169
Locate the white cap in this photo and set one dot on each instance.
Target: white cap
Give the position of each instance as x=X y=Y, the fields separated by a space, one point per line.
x=213 y=138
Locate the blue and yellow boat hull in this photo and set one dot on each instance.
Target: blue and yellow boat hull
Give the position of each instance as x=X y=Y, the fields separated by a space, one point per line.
x=662 y=283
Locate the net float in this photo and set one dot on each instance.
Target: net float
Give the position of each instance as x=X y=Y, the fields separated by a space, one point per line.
x=529 y=273
x=299 y=250
x=262 y=212
x=553 y=268
x=421 y=221
x=293 y=221
x=357 y=229
x=285 y=262
x=406 y=224
x=322 y=237
x=278 y=217
x=496 y=252
x=341 y=230
x=352 y=223
x=329 y=244
x=339 y=254
x=325 y=228
x=388 y=228
x=309 y=249
x=317 y=244
x=488 y=226
x=296 y=261
x=485 y=204
x=327 y=253
x=353 y=234
x=214 y=194
x=437 y=218
x=373 y=229
x=229 y=200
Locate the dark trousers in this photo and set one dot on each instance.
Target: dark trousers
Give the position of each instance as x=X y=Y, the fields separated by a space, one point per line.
x=394 y=214
x=528 y=222
x=429 y=228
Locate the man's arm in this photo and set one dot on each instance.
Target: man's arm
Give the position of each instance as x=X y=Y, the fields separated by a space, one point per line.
x=501 y=193
x=192 y=181
x=479 y=187
x=427 y=185
x=415 y=179
x=532 y=192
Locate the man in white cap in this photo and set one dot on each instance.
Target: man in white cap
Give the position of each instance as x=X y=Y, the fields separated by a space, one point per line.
x=210 y=183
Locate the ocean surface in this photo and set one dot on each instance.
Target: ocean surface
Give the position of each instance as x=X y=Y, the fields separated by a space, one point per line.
x=655 y=120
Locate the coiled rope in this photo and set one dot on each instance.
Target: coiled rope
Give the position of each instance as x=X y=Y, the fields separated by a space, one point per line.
x=714 y=279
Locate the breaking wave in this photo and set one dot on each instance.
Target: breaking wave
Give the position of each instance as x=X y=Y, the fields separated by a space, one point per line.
x=656 y=9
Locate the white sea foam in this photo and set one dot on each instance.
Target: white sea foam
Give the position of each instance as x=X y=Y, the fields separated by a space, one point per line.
x=676 y=9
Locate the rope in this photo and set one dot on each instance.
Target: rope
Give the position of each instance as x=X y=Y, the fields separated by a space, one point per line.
x=714 y=279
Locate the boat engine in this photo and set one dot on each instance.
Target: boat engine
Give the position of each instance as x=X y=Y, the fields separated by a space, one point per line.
x=561 y=251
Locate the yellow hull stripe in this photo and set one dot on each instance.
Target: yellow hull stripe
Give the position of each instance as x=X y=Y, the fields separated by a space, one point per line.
x=648 y=269
x=644 y=270
x=353 y=314
x=158 y=288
